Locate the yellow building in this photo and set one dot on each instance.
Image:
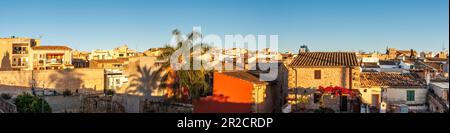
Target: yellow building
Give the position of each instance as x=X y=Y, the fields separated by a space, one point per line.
x=116 y=53
x=15 y=53
x=51 y=57
x=123 y=52
x=80 y=59
x=154 y=52
x=109 y=64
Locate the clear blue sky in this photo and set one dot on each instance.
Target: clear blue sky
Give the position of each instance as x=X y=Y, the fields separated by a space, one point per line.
x=324 y=25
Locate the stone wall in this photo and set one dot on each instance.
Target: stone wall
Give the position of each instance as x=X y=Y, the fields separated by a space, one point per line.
x=55 y=79
x=131 y=103
x=100 y=104
x=61 y=104
x=330 y=76
x=166 y=107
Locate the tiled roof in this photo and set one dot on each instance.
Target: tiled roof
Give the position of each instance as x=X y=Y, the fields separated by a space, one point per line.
x=436 y=59
x=51 y=48
x=244 y=76
x=370 y=65
x=387 y=62
x=325 y=59
x=121 y=60
x=369 y=79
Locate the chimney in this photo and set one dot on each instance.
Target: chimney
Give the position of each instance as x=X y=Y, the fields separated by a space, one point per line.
x=303 y=49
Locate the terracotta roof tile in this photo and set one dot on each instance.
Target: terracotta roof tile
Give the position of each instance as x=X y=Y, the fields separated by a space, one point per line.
x=121 y=60
x=51 y=48
x=370 y=79
x=388 y=62
x=325 y=59
x=244 y=76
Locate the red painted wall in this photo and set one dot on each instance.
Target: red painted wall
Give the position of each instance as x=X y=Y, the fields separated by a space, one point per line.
x=230 y=95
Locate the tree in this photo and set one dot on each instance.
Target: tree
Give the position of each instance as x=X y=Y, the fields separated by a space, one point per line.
x=27 y=103
x=195 y=81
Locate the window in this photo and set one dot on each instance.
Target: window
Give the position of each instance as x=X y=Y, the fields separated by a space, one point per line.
x=317 y=74
x=316 y=97
x=410 y=95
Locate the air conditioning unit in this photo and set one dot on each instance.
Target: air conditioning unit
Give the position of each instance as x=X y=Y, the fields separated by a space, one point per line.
x=383 y=107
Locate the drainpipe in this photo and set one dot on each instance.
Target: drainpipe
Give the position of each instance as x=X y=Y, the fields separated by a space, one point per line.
x=296 y=87
x=350 y=86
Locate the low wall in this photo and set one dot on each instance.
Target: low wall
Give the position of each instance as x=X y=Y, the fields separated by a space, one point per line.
x=61 y=104
x=166 y=107
x=100 y=104
x=55 y=79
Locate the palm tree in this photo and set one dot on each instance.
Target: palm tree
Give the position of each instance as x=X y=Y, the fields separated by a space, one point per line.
x=195 y=81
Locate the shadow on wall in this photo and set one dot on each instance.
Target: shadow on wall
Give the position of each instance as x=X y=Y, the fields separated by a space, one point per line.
x=6 y=62
x=144 y=81
x=65 y=79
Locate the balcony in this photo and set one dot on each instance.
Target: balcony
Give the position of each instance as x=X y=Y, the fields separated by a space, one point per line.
x=20 y=49
x=23 y=64
x=19 y=52
x=54 y=61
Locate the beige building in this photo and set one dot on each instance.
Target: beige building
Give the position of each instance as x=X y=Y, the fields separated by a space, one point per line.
x=15 y=53
x=28 y=54
x=155 y=52
x=116 y=53
x=109 y=64
x=394 y=89
x=80 y=59
x=52 y=57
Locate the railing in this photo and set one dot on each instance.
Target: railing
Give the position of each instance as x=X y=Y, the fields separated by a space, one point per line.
x=54 y=61
x=19 y=64
x=19 y=52
x=6 y=107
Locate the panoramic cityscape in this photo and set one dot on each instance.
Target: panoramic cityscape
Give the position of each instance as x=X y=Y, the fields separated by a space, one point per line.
x=224 y=57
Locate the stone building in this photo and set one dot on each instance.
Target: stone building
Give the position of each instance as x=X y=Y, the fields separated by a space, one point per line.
x=314 y=69
x=394 y=53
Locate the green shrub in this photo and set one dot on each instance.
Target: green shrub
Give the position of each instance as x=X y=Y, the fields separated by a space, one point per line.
x=27 y=103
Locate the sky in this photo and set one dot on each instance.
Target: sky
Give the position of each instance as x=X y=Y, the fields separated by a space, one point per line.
x=323 y=25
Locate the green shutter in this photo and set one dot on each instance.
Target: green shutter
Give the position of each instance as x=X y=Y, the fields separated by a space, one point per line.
x=410 y=95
